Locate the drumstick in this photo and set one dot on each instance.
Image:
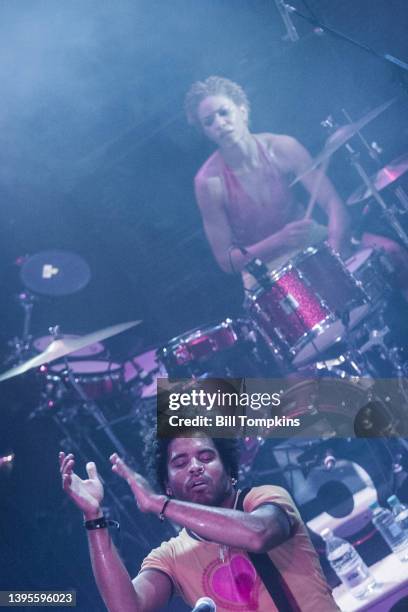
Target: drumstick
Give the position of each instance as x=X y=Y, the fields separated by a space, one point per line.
x=316 y=188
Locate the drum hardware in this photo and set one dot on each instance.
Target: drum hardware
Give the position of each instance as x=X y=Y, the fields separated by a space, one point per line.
x=81 y=398
x=387 y=212
x=399 y=67
x=341 y=137
x=259 y=271
x=384 y=177
x=372 y=269
x=20 y=347
x=99 y=379
x=26 y=301
x=141 y=373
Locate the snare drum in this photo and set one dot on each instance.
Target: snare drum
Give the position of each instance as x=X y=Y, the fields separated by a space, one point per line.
x=219 y=350
x=302 y=312
x=98 y=379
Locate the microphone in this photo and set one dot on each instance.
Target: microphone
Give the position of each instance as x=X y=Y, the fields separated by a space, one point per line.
x=258 y=269
x=205 y=604
x=285 y=10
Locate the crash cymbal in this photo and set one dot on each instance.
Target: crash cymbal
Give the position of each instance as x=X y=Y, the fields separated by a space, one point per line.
x=91 y=350
x=384 y=177
x=341 y=136
x=66 y=346
x=55 y=273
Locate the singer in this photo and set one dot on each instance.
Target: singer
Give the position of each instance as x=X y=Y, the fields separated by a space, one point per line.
x=246 y=550
x=243 y=190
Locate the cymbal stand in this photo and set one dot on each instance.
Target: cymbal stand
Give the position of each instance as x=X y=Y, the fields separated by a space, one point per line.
x=21 y=346
x=387 y=212
x=354 y=158
x=374 y=152
x=94 y=410
x=358 y=360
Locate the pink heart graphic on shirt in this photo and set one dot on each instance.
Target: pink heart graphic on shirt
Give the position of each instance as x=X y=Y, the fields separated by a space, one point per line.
x=235 y=582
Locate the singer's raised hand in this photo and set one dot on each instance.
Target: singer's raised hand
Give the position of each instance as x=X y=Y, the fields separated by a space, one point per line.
x=87 y=494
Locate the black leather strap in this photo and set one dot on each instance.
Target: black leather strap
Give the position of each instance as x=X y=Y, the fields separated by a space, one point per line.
x=270 y=575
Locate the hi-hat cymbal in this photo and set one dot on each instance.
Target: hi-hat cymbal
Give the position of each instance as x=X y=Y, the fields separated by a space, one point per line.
x=384 y=177
x=65 y=346
x=341 y=136
x=55 y=273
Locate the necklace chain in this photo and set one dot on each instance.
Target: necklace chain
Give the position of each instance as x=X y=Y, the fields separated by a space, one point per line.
x=223 y=548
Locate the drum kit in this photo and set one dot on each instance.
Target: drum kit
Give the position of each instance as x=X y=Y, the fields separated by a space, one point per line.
x=315 y=316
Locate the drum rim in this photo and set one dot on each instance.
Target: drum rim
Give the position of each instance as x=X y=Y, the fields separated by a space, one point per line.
x=367 y=251
x=196 y=332
x=59 y=367
x=276 y=274
x=330 y=320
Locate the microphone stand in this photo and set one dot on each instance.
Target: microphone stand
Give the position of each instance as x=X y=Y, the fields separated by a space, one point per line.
x=391 y=60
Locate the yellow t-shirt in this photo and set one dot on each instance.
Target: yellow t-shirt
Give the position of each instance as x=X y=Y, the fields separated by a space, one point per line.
x=196 y=568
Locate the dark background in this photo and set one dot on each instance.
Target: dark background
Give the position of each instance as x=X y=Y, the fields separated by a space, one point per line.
x=96 y=158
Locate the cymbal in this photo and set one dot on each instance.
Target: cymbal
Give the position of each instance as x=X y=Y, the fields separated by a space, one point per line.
x=381 y=179
x=64 y=346
x=55 y=273
x=341 y=136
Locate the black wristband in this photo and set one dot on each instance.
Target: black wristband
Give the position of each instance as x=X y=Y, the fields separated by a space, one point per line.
x=101 y=523
x=161 y=515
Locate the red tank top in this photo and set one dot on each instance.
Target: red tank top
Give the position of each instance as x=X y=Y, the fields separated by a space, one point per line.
x=251 y=221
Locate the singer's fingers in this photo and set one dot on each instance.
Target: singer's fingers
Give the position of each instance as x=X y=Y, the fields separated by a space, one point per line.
x=66 y=481
x=65 y=460
x=91 y=470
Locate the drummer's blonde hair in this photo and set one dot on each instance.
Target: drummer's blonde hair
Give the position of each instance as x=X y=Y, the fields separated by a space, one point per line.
x=212 y=86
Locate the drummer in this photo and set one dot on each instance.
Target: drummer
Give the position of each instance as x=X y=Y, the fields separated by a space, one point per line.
x=243 y=190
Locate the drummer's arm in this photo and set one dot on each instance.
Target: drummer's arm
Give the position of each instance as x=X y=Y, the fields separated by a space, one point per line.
x=298 y=160
x=230 y=258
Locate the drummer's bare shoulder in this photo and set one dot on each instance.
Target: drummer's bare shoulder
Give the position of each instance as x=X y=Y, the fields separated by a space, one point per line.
x=290 y=154
x=208 y=182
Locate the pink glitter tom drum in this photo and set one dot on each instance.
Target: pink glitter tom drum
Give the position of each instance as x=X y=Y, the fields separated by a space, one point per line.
x=304 y=311
x=221 y=350
x=97 y=378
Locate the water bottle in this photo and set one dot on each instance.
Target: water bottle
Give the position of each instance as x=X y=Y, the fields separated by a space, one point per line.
x=348 y=565
x=400 y=512
x=390 y=530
